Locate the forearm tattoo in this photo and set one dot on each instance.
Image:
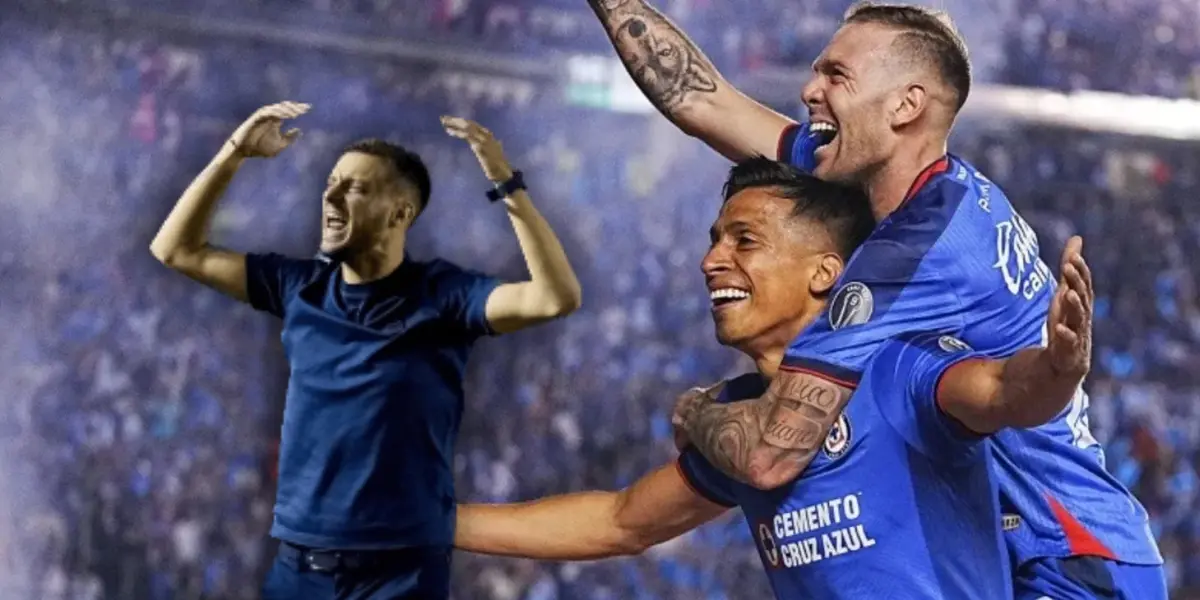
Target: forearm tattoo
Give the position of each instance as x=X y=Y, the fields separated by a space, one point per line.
x=665 y=64
x=725 y=434
x=784 y=428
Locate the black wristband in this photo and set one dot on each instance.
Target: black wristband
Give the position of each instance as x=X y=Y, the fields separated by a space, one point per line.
x=502 y=190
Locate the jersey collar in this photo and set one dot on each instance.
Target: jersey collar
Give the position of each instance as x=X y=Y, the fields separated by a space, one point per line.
x=406 y=272
x=937 y=167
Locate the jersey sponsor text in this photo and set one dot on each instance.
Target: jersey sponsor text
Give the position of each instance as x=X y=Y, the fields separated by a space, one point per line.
x=831 y=528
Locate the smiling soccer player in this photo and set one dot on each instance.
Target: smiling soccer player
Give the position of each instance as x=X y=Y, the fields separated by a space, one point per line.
x=901 y=503
x=950 y=255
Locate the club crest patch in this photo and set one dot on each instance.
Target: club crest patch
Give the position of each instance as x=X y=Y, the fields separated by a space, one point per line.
x=838 y=440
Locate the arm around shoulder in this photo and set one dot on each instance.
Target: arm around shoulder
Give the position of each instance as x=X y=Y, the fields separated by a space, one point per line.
x=768 y=441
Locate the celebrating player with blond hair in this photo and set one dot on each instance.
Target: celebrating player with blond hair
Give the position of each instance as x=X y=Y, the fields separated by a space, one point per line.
x=950 y=255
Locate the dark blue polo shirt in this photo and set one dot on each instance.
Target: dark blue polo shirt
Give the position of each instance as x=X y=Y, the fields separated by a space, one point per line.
x=374 y=399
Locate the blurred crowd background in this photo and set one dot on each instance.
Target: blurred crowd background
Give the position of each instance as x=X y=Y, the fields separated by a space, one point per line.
x=140 y=411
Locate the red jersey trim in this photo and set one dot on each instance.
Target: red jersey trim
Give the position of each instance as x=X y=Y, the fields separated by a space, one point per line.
x=787 y=140
x=1080 y=541
x=937 y=167
x=819 y=375
x=696 y=490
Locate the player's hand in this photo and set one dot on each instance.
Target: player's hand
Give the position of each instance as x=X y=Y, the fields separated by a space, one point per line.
x=686 y=405
x=1069 y=347
x=261 y=136
x=485 y=146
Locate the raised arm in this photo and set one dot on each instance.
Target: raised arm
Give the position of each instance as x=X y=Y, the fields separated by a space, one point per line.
x=182 y=241
x=587 y=525
x=552 y=289
x=683 y=84
x=1036 y=384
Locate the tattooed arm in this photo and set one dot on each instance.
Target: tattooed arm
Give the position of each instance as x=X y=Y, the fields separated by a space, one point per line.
x=683 y=84
x=766 y=442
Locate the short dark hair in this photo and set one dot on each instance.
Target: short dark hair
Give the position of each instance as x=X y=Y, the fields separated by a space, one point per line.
x=408 y=164
x=844 y=211
x=927 y=35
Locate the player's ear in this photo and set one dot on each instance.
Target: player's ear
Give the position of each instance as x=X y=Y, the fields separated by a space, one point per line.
x=829 y=268
x=910 y=105
x=404 y=213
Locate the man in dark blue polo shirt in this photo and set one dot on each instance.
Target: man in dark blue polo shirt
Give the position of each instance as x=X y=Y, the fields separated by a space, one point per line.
x=377 y=344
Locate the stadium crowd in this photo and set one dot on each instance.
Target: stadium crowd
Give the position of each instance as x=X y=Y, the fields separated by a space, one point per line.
x=1059 y=44
x=142 y=409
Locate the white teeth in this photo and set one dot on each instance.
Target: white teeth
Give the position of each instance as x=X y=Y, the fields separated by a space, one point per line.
x=728 y=294
x=822 y=126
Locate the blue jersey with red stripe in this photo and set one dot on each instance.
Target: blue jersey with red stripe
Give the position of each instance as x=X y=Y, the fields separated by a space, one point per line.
x=901 y=503
x=957 y=259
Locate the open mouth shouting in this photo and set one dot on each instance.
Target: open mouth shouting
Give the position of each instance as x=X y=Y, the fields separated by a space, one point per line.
x=335 y=228
x=334 y=222
x=825 y=132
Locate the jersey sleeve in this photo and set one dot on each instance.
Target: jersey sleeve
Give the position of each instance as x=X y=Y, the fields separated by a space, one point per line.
x=883 y=293
x=465 y=294
x=798 y=147
x=917 y=364
x=272 y=280
x=706 y=480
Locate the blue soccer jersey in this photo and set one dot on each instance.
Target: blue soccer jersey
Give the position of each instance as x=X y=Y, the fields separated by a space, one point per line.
x=957 y=259
x=901 y=503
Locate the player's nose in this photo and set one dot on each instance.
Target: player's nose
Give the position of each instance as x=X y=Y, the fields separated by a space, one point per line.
x=812 y=94
x=335 y=198
x=715 y=262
